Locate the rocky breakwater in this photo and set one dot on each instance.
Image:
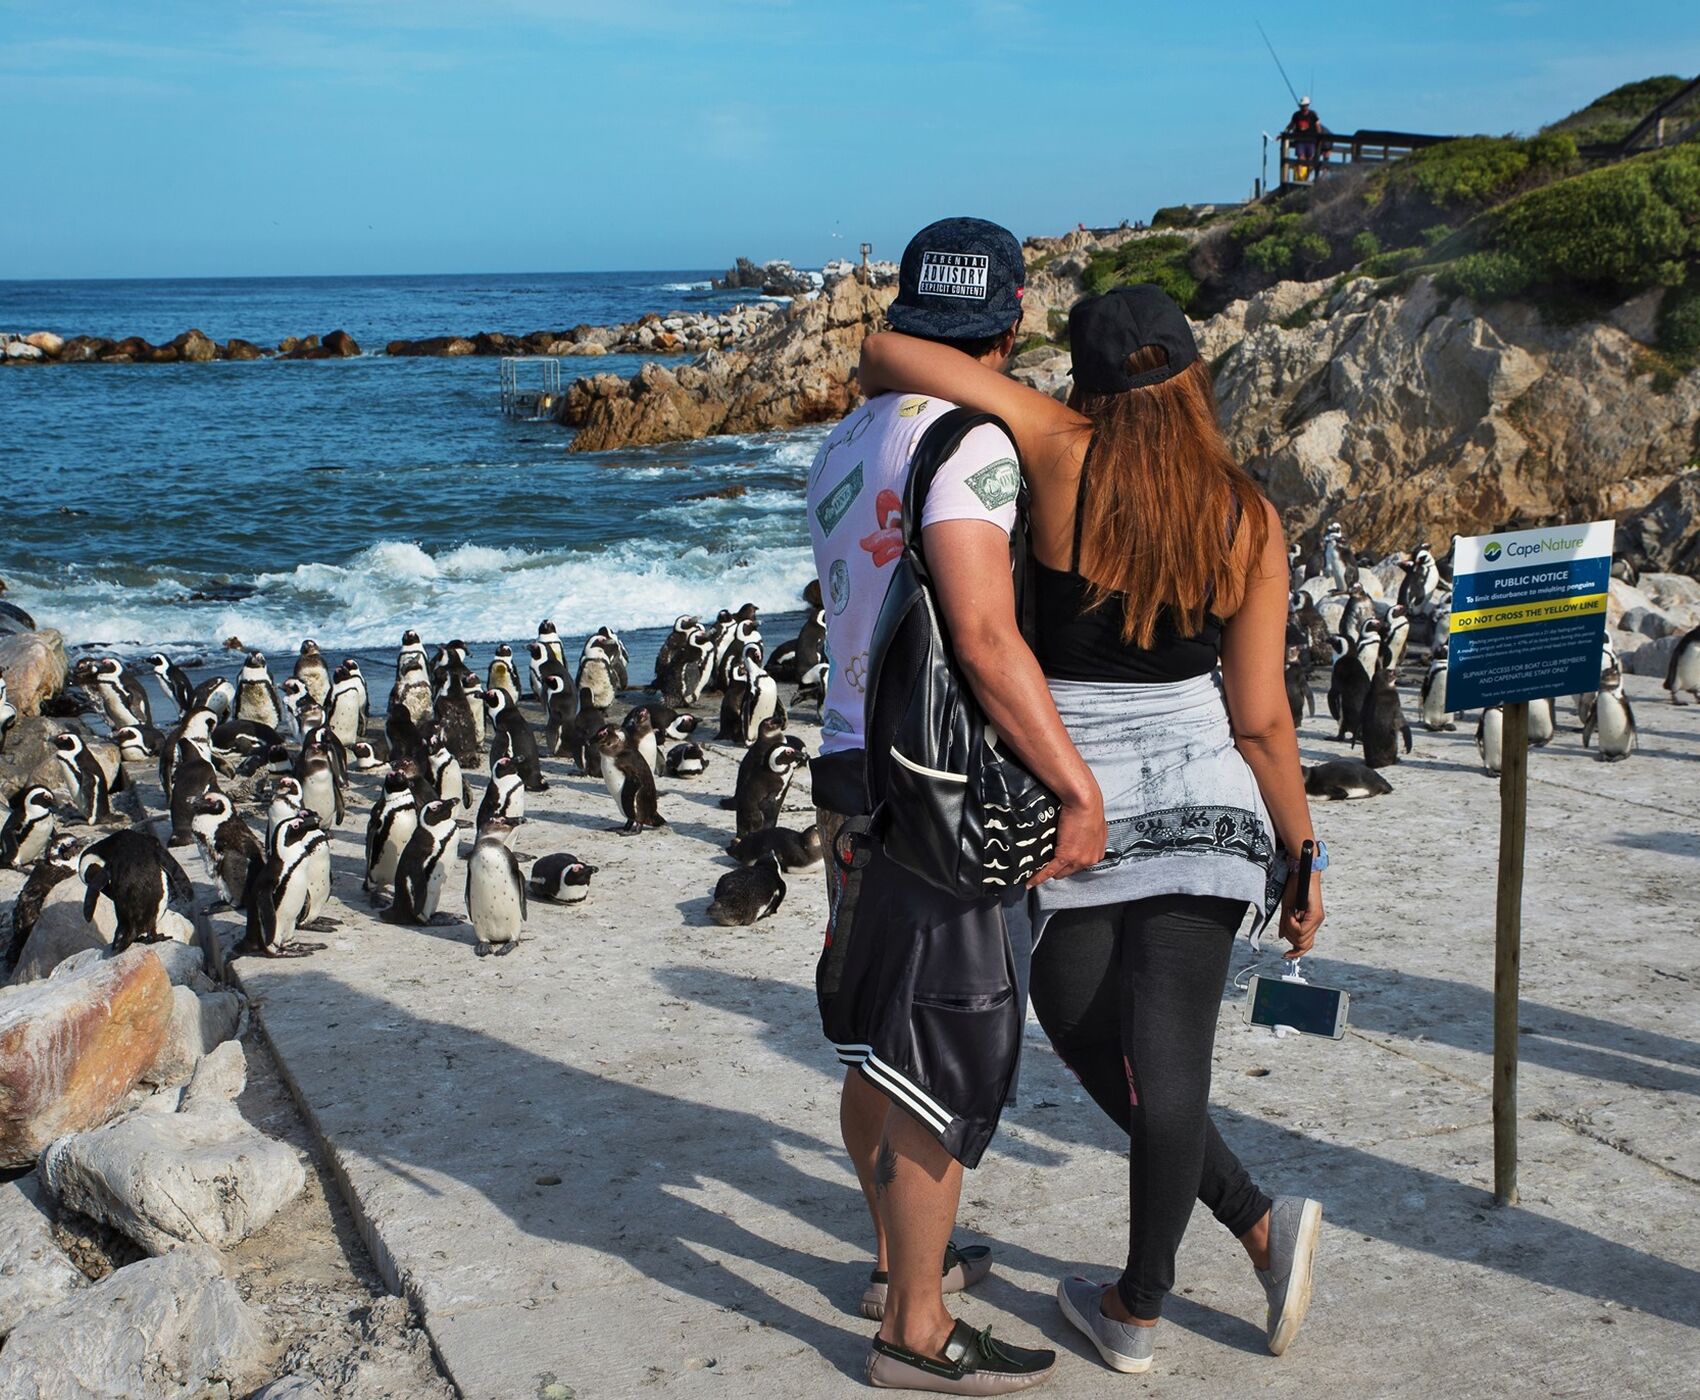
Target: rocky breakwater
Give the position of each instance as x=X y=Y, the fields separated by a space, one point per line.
x=192 y=347
x=679 y=333
x=799 y=368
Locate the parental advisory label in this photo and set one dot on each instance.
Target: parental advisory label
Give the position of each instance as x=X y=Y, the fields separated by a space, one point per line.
x=954 y=275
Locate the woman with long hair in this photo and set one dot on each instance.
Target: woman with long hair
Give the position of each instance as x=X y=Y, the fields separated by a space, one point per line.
x=1160 y=623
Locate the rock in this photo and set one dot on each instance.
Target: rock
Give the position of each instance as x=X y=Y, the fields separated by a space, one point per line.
x=197 y=347
x=61 y=933
x=1651 y=622
x=296 y=345
x=199 y=1023
x=341 y=344
x=184 y=964
x=159 y=1329
x=1282 y=301
x=29 y=756
x=235 y=349
x=34 y=1272
x=72 y=1047
x=1664 y=534
x=1638 y=318
x=1652 y=658
x=14 y=619
x=45 y=341
x=297 y=1387
x=23 y=350
x=200 y=1175
x=743 y=274
x=34 y=666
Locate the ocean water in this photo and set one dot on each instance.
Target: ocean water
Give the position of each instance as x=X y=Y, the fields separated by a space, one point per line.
x=175 y=506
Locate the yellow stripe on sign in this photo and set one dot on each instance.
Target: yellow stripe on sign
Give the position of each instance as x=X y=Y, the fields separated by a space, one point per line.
x=1551 y=610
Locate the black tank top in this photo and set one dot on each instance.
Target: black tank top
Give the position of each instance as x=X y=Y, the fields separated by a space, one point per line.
x=1076 y=643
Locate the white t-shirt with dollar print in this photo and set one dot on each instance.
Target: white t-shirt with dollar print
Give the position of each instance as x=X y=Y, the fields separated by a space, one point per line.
x=855 y=502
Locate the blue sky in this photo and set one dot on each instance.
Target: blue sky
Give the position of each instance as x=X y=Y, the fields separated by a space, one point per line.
x=231 y=137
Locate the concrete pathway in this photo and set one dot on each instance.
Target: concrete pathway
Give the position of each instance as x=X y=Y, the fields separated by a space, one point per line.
x=608 y=1164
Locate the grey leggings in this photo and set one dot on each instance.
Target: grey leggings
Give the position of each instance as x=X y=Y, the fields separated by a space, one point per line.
x=1129 y=994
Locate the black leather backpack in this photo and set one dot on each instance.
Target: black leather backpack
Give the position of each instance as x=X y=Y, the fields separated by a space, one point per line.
x=948 y=802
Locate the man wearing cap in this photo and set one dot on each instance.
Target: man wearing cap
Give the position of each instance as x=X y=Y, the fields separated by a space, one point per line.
x=918 y=989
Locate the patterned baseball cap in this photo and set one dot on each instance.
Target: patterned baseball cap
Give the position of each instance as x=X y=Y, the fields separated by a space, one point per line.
x=960 y=279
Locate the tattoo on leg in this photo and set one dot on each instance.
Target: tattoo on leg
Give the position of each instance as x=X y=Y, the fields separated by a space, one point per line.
x=885 y=1168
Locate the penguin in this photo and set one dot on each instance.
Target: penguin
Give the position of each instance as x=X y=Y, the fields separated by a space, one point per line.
x=29 y=827
x=561 y=705
x=412 y=688
x=447 y=666
x=1490 y=738
x=394 y=818
x=215 y=694
x=293 y=695
x=749 y=893
x=140 y=878
x=256 y=697
x=410 y=653
x=137 y=745
x=243 y=736
x=285 y=803
x=797 y=850
x=1613 y=719
x=581 y=743
x=686 y=760
x=84 y=777
x=174 y=681
x=290 y=890
x=365 y=756
x=1295 y=566
x=1299 y=693
x=118 y=692
x=1344 y=779
x=760 y=702
x=350 y=704
x=1351 y=680
x=672 y=647
x=1396 y=633
x=629 y=781
x=1435 y=714
x=448 y=781
x=550 y=640
x=501 y=675
x=192 y=777
x=57 y=864
x=229 y=849
x=321 y=794
x=595 y=675
x=512 y=735
x=495 y=892
x=1543 y=722
x=504 y=798
x=561 y=878
x=8 y=714
x=743 y=636
x=196 y=730
x=736 y=688
x=401 y=732
x=793 y=661
x=1337 y=561
x=1683 y=673
x=687 y=672
x=604 y=643
x=540 y=656
x=1360 y=610
x=424 y=866
x=1383 y=722
x=313 y=671
x=1310 y=620
x=457 y=725
x=764 y=777
x=640 y=731
x=1422 y=588
x=812 y=686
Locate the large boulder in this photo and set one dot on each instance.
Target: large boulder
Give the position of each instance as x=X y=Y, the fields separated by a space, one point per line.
x=340 y=345
x=47 y=342
x=13 y=619
x=72 y=1047
x=62 y=933
x=34 y=1272
x=34 y=666
x=197 y=347
x=1665 y=533
x=160 y=1329
x=200 y=1022
x=238 y=349
x=200 y=1175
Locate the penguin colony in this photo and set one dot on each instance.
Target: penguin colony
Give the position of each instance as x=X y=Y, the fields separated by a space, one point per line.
x=284 y=750
x=1335 y=626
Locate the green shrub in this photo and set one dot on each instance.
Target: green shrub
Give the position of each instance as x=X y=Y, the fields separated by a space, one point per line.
x=1488 y=276
x=1608 y=119
x=1365 y=245
x=1271 y=256
x=1481 y=169
x=1619 y=228
x=1174 y=216
x=1390 y=263
x=1161 y=261
x=1679 y=320
x=1248 y=228
x=1311 y=248
x=1434 y=233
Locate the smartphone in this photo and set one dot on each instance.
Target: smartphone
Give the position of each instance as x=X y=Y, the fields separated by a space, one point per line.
x=1304 y=1006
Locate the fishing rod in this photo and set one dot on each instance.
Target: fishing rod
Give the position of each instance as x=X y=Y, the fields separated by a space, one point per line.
x=1284 y=78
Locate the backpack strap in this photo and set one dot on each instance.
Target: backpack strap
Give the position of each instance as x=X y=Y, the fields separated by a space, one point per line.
x=938 y=444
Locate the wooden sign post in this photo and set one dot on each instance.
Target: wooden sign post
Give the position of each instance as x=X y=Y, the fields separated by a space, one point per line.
x=1508 y=946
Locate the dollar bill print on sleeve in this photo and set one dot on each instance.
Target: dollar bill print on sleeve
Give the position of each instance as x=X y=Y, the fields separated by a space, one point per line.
x=996 y=484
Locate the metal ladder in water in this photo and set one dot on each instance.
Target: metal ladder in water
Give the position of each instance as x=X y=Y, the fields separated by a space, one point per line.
x=518 y=401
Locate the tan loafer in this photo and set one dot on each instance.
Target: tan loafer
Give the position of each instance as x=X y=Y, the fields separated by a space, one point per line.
x=964 y=1267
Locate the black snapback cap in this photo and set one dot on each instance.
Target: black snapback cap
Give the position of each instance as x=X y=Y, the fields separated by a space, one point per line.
x=1103 y=331
x=960 y=279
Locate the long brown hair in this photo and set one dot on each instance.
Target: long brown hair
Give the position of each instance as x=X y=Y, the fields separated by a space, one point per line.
x=1170 y=519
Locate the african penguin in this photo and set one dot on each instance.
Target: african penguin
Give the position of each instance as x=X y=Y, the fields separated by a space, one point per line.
x=140 y=878
x=797 y=850
x=411 y=652
x=1436 y=717
x=511 y=734
x=120 y=695
x=58 y=863
x=28 y=828
x=611 y=649
x=495 y=891
x=764 y=777
x=504 y=798
x=1683 y=673
x=748 y=893
x=84 y=778
x=1613 y=720
x=365 y=757
x=217 y=694
x=1342 y=779
x=640 y=731
x=1350 y=682
x=596 y=676
x=174 y=681
x=1490 y=738
x=285 y=803
x=458 y=726
x=256 y=697
x=1299 y=693
x=412 y=688
x=561 y=878
x=685 y=760
x=501 y=675
x=1383 y=723
x=192 y=777
x=424 y=866
x=313 y=671
x=672 y=647
x=561 y=705
x=1543 y=722
x=447 y=778
x=229 y=849
x=321 y=793
x=8 y=714
x=581 y=741
x=551 y=640
x=290 y=890
x=390 y=827
x=137 y=745
x=629 y=781
x=760 y=702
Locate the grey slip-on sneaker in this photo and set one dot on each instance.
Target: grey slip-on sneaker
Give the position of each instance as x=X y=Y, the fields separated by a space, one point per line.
x=974 y=1363
x=964 y=1266
x=1294 y=1226
x=1123 y=1346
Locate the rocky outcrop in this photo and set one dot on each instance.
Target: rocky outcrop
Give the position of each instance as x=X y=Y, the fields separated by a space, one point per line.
x=199 y=1175
x=34 y=666
x=1416 y=416
x=775 y=279
x=34 y=1271
x=1665 y=534
x=73 y=1046
x=161 y=1329
x=798 y=369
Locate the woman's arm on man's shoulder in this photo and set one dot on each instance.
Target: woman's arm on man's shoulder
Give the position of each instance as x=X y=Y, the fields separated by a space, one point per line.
x=1044 y=429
